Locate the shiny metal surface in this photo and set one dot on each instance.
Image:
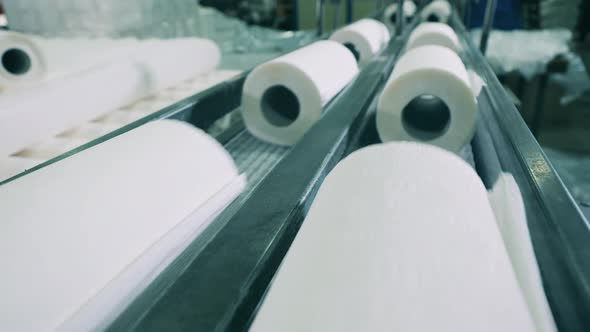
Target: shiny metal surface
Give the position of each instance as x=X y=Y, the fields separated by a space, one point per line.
x=320 y=9
x=400 y=18
x=488 y=22
x=559 y=230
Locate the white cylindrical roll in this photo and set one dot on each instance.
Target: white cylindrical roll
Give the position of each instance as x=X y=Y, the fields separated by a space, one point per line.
x=52 y=147
x=509 y=209
x=169 y=62
x=22 y=62
x=434 y=34
x=90 y=131
x=437 y=11
x=364 y=38
x=98 y=229
x=283 y=98
x=417 y=250
x=390 y=14
x=428 y=98
x=121 y=118
x=28 y=60
x=11 y=166
x=33 y=115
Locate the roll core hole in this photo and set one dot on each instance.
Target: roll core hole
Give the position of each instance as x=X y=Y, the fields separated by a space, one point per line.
x=426 y=117
x=433 y=18
x=393 y=18
x=353 y=50
x=280 y=106
x=16 y=61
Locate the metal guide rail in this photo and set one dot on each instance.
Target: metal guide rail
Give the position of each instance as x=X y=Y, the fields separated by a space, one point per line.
x=559 y=230
x=220 y=284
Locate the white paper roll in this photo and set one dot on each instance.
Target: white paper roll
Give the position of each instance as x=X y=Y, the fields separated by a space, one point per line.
x=52 y=148
x=390 y=14
x=90 y=130
x=34 y=59
x=283 y=98
x=417 y=250
x=428 y=98
x=36 y=114
x=364 y=38
x=434 y=34
x=11 y=166
x=121 y=118
x=169 y=62
x=509 y=210
x=437 y=11
x=22 y=62
x=28 y=60
x=33 y=115
x=81 y=237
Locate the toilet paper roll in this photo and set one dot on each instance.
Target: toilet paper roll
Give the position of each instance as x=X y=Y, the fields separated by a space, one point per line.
x=428 y=98
x=98 y=229
x=28 y=60
x=418 y=250
x=51 y=148
x=283 y=98
x=33 y=115
x=90 y=131
x=11 y=166
x=509 y=210
x=22 y=61
x=121 y=118
x=390 y=14
x=434 y=34
x=364 y=38
x=170 y=62
x=437 y=11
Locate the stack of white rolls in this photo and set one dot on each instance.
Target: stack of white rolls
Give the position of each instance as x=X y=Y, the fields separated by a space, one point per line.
x=390 y=14
x=430 y=96
x=437 y=11
x=283 y=98
x=422 y=246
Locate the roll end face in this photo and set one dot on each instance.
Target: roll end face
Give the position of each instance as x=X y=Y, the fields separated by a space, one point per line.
x=445 y=118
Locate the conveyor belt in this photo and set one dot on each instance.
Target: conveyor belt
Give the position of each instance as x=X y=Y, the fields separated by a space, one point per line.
x=243 y=255
x=221 y=279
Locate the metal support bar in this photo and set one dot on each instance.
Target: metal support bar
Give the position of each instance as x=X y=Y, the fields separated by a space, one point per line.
x=320 y=7
x=336 y=16
x=349 y=11
x=488 y=21
x=467 y=13
x=400 y=17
